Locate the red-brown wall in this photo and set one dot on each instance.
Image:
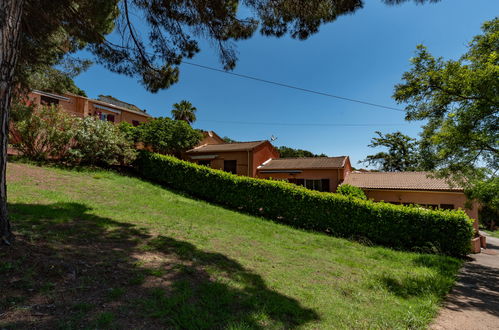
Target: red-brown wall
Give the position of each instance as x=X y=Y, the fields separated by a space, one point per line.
x=458 y=199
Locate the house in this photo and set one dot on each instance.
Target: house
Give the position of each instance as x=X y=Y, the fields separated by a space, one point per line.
x=105 y=108
x=412 y=188
x=317 y=173
x=241 y=158
x=210 y=137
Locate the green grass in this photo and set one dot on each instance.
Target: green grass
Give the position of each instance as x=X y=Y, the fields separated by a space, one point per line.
x=156 y=258
x=493 y=233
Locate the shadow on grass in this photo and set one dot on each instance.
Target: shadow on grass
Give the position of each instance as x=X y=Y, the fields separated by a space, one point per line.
x=70 y=269
x=437 y=282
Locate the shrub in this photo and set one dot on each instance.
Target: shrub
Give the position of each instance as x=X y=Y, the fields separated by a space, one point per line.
x=40 y=133
x=168 y=136
x=391 y=225
x=351 y=191
x=99 y=142
x=132 y=133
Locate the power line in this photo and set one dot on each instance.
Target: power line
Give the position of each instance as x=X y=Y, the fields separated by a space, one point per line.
x=292 y=87
x=295 y=124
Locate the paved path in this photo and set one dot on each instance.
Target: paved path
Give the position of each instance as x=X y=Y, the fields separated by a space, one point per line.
x=474 y=301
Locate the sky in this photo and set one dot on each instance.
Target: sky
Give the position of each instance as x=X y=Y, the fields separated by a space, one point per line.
x=360 y=56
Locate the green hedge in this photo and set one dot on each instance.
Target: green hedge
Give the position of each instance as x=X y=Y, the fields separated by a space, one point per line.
x=408 y=228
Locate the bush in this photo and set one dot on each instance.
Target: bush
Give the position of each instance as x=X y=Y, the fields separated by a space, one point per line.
x=41 y=133
x=97 y=142
x=351 y=191
x=395 y=226
x=168 y=136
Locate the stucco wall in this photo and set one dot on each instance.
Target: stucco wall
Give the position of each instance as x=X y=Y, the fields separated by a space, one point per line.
x=331 y=174
x=218 y=163
x=260 y=155
x=458 y=199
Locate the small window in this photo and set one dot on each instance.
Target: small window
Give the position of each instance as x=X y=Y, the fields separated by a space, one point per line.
x=230 y=166
x=46 y=100
x=319 y=185
x=204 y=162
x=135 y=123
x=110 y=118
x=447 y=206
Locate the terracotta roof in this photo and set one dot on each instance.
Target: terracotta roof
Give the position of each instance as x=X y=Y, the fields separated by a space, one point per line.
x=398 y=181
x=304 y=163
x=225 y=147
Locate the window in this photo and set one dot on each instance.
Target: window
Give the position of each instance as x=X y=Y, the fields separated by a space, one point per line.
x=135 y=123
x=447 y=206
x=110 y=118
x=230 y=166
x=204 y=162
x=46 y=100
x=312 y=184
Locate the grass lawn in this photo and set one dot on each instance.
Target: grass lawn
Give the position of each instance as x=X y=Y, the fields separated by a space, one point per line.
x=96 y=249
x=494 y=233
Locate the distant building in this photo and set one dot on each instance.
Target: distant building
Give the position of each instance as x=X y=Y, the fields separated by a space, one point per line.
x=105 y=108
x=412 y=188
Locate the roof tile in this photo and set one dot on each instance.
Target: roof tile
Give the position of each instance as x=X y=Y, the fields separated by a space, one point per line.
x=225 y=147
x=399 y=181
x=304 y=163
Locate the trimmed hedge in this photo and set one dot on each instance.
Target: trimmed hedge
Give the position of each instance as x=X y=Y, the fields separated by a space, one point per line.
x=396 y=226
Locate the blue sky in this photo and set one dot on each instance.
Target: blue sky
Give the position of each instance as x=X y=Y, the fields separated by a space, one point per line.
x=360 y=56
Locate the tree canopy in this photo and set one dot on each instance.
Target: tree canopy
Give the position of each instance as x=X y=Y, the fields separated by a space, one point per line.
x=459 y=100
x=402 y=154
x=287 y=152
x=184 y=110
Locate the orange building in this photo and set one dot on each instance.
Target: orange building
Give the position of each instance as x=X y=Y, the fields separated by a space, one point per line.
x=105 y=108
x=241 y=158
x=316 y=173
x=412 y=188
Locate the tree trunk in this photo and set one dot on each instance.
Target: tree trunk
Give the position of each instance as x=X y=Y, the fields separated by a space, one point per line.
x=10 y=34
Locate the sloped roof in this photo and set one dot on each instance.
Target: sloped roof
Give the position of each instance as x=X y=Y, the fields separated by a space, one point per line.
x=304 y=163
x=399 y=181
x=226 y=147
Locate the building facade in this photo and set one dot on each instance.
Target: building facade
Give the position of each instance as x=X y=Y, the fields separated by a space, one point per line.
x=105 y=108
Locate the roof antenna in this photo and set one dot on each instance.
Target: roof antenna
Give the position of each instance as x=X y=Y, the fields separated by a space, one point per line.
x=273 y=138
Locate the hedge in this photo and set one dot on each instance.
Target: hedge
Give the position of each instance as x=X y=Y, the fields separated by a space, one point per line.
x=400 y=227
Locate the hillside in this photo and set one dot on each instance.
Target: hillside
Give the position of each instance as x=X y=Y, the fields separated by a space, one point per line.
x=101 y=250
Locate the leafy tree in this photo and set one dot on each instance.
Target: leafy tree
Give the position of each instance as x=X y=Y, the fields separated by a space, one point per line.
x=43 y=132
x=184 y=111
x=487 y=192
x=459 y=100
x=401 y=155
x=98 y=142
x=287 y=152
x=60 y=79
x=168 y=136
x=228 y=140
x=351 y=191
x=35 y=34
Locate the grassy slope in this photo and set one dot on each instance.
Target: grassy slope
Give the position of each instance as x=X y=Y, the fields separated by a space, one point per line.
x=494 y=233
x=117 y=251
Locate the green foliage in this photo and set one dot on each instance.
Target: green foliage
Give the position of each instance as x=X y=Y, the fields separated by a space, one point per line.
x=486 y=192
x=50 y=79
x=98 y=142
x=169 y=136
x=184 y=111
x=392 y=225
x=41 y=133
x=132 y=133
x=287 y=152
x=459 y=100
x=351 y=191
x=402 y=152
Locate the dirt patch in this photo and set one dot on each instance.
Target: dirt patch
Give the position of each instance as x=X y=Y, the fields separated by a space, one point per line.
x=39 y=176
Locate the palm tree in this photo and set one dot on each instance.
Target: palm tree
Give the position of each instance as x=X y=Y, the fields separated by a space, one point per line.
x=184 y=111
